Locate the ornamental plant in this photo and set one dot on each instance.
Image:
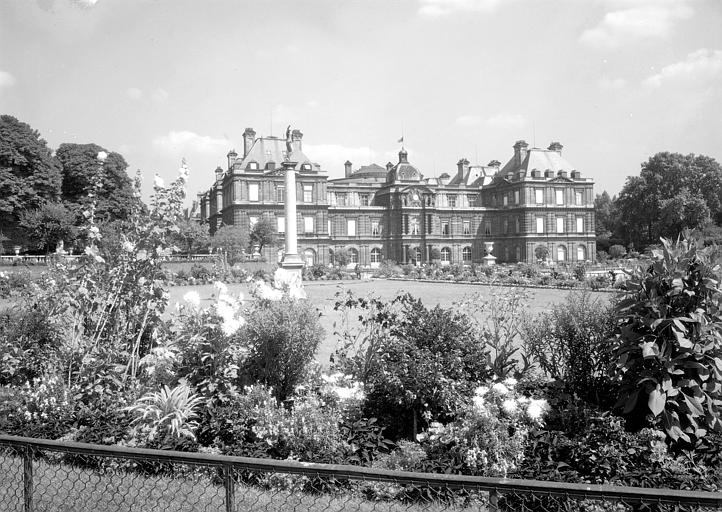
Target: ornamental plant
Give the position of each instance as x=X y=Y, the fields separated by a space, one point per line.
x=667 y=351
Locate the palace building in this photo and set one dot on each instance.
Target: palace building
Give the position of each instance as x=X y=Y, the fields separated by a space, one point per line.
x=394 y=213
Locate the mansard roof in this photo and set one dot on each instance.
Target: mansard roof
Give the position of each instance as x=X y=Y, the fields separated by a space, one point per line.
x=366 y=174
x=537 y=159
x=273 y=150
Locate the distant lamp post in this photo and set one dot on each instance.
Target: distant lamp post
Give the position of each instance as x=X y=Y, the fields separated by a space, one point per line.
x=17 y=248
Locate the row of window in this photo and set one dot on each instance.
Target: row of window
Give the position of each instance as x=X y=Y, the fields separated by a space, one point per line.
x=507 y=198
x=253 y=193
x=560 y=224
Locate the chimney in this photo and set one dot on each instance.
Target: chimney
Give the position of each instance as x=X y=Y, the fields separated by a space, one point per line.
x=576 y=175
x=555 y=146
x=520 y=152
x=249 y=135
x=296 y=139
x=219 y=174
x=462 y=166
x=231 y=158
x=347 y=168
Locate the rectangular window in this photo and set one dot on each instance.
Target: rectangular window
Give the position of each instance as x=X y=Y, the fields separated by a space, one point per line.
x=253 y=191
x=375 y=228
x=429 y=224
x=540 y=224
x=452 y=200
x=539 y=196
x=308 y=193
x=578 y=198
x=580 y=224
x=308 y=224
x=364 y=199
x=560 y=224
x=467 y=227
x=329 y=227
x=340 y=199
x=516 y=225
x=351 y=227
x=487 y=227
x=280 y=194
x=516 y=197
x=505 y=226
x=445 y=228
x=472 y=199
x=559 y=196
x=281 y=224
x=505 y=199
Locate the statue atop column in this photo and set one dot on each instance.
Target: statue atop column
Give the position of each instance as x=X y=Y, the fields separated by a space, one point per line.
x=289 y=143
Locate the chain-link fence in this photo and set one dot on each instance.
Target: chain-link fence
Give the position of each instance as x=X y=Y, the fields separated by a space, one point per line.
x=39 y=475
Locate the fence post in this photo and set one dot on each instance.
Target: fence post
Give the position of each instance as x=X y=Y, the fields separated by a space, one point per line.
x=493 y=500
x=229 y=483
x=28 y=479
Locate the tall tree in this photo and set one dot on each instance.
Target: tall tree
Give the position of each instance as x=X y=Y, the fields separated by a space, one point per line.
x=29 y=175
x=48 y=225
x=230 y=239
x=81 y=169
x=604 y=214
x=653 y=203
x=192 y=235
x=264 y=233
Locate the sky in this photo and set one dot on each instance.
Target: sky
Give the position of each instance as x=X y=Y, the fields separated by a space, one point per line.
x=615 y=81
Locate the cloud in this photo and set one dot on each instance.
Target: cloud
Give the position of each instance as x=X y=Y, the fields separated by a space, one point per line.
x=438 y=8
x=699 y=67
x=507 y=121
x=612 y=84
x=85 y=3
x=6 y=79
x=468 y=121
x=636 y=20
x=134 y=93
x=332 y=156
x=160 y=95
x=179 y=142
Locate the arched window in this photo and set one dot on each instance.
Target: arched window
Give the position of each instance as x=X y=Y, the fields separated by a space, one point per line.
x=446 y=255
x=375 y=257
x=309 y=257
x=466 y=254
x=562 y=253
x=581 y=253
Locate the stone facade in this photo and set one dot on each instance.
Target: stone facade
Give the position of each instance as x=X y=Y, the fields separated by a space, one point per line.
x=394 y=212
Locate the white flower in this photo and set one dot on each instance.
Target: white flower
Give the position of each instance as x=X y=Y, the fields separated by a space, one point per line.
x=510 y=382
x=158 y=182
x=481 y=391
x=128 y=246
x=509 y=405
x=500 y=388
x=102 y=156
x=192 y=298
x=479 y=402
x=230 y=326
x=264 y=291
x=536 y=409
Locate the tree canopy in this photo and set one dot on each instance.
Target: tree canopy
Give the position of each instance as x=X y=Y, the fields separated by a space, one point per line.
x=81 y=168
x=673 y=192
x=29 y=175
x=48 y=225
x=264 y=233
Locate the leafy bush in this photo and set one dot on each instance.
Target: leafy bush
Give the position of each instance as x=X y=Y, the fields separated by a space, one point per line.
x=571 y=344
x=668 y=348
x=416 y=364
x=198 y=271
x=617 y=251
x=282 y=338
x=580 y=271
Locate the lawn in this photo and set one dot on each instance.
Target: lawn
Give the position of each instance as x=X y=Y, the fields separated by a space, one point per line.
x=323 y=294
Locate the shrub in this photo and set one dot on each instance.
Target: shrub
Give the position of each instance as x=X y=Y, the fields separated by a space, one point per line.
x=579 y=271
x=667 y=352
x=571 y=344
x=617 y=251
x=602 y=256
x=198 y=271
x=282 y=338
x=416 y=364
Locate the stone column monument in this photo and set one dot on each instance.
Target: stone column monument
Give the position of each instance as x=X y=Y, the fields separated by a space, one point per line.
x=291 y=260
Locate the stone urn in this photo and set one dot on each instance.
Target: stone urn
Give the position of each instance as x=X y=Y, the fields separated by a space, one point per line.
x=489 y=259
